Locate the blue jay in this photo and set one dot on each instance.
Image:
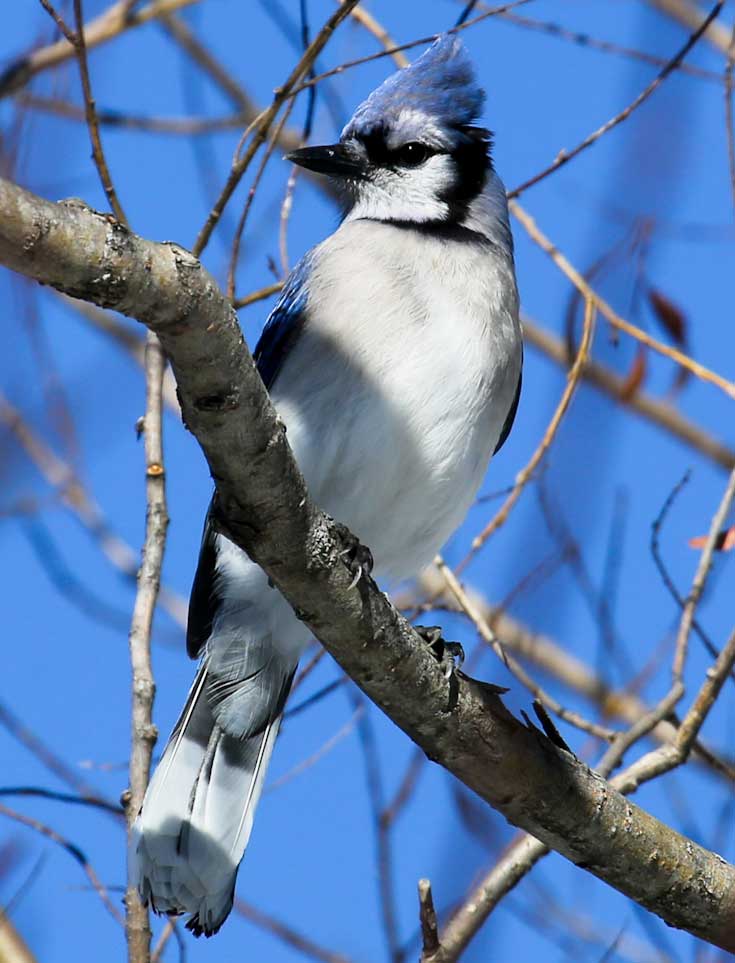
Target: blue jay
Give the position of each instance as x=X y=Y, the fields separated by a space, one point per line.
x=394 y=358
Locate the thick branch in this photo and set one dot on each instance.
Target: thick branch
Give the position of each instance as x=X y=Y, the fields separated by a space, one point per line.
x=268 y=512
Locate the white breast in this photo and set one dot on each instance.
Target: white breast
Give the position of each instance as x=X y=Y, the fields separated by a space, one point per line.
x=396 y=393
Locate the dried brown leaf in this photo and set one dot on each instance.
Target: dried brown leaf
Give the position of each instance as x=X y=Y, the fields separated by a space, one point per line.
x=636 y=376
x=670 y=316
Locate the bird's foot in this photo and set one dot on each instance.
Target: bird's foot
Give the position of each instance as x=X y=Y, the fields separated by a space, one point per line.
x=449 y=655
x=357 y=557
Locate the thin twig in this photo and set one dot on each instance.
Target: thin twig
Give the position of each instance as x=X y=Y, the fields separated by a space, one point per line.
x=287 y=934
x=427 y=919
x=235 y=252
x=263 y=123
x=566 y=267
x=39 y=792
x=38 y=748
x=559 y=31
x=143 y=735
x=667 y=757
x=108 y=25
x=700 y=578
x=557 y=662
x=659 y=413
x=383 y=839
x=508 y=872
x=90 y=111
x=167 y=932
x=565 y=156
x=185 y=126
x=690 y=15
x=73 y=851
x=321 y=752
x=61 y=477
x=489 y=636
x=260 y=295
x=367 y=20
x=516 y=862
x=178 y=29
x=420 y=42
x=527 y=472
x=729 y=123
x=663 y=570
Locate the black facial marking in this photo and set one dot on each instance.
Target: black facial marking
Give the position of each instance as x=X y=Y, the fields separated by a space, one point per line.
x=412 y=154
x=442 y=230
x=472 y=162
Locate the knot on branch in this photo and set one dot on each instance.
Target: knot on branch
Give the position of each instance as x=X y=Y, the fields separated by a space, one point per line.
x=226 y=401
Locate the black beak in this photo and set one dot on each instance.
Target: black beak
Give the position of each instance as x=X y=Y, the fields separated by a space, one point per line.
x=335 y=159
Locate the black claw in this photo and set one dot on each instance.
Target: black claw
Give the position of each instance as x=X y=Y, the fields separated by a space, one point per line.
x=357 y=557
x=450 y=655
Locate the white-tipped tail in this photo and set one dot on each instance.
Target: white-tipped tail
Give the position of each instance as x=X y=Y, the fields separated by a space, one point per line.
x=191 y=833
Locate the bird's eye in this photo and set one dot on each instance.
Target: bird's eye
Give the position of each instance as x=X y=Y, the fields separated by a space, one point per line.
x=410 y=155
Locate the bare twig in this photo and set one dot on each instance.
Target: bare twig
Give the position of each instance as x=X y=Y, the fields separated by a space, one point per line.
x=427 y=920
x=287 y=934
x=13 y=948
x=167 y=932
x=559 y=31
x=565 y=266
x=519 y=858
x=96 y=802
x=523 y=854
x=263 y=123
x=267 y=153
x=90 y=111
x=61 y=477
x=109 y=24
x=562 y=665
x=373 y=25
x=185 y=126
x=74 y=851
x=260 y=295
x=383 y=838
x=177 y=28
x=527 y=472
x=18 y=730
x=659 y=413
x=565 y=156
x=691 y=15
x=143 y=735
x=421 y=41
x=321 y=752
x=487 y=634
x=667 y=757
x=729 y=123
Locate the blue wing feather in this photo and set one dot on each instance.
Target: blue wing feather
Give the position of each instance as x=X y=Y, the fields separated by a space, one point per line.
x=284 y=324
x=281 y=331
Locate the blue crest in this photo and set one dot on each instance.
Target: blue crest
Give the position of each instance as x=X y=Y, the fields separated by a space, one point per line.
x=440 y=87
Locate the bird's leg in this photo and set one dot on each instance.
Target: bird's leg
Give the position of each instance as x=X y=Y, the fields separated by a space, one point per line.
x=357 y=557
x=449 y=655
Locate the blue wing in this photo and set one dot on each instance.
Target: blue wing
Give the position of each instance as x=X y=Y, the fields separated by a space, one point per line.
x=281 y=331
x=284 y=324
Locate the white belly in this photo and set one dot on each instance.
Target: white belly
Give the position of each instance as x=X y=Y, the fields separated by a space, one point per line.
x=394 y=434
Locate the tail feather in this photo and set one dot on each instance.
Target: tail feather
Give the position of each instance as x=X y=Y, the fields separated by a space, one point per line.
x=197 y=815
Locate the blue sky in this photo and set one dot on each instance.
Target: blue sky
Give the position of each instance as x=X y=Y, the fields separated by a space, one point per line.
x=311 y=861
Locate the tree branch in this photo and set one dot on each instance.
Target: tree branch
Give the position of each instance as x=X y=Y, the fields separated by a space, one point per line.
x=267 y=511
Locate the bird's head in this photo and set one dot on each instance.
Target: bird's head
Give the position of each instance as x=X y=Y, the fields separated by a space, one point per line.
x=411 y=151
